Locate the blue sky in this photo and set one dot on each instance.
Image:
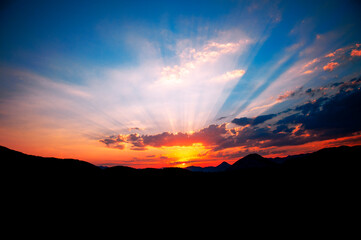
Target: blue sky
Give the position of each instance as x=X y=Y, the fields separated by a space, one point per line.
x=96 y=33
x=89 y=74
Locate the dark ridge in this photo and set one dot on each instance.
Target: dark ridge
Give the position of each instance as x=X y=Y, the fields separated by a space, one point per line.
x=330 y=168
x=223 y=166
x=252 y=161
x=220 y=168
x=19 y=164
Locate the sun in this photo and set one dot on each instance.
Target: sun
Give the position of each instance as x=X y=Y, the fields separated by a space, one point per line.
x=181 y=155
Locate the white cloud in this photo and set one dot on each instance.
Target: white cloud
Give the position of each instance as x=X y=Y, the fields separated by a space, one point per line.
x=229 y=76
x=153 y=96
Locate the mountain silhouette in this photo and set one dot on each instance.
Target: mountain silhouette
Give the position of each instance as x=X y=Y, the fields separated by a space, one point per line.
x=248 y=162
x=223 y=166
x=40 y=170
x=220 y=168
x=252 y=161
x=326 y=168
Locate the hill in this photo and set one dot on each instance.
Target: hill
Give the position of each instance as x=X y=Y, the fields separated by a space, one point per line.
x=220 y=168
x=40 y=170
x=252 y=161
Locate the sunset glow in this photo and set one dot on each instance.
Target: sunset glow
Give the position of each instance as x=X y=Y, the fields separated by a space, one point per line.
x=179 y=83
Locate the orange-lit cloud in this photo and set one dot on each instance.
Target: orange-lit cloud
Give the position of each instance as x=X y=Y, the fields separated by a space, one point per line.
x=330 y=55
x=209 y=136
x=336 y=52
x=308 y=72
x=331 y=66
x=285 y=95
x=308 y=64
x=355 y=53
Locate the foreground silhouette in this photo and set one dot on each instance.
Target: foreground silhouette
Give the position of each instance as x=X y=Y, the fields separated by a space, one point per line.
x=325 y=182
x=333 y=166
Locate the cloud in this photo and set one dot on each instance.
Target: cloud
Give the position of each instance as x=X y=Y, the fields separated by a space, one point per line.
x=232 y=75
x=308 y=71
x=330 y=55
x=209 y=136
x=332 y=116
x=337 y=52
x=355 y=53
x=242 y=121
x=112 y=143
x=310 y=63
x=334 y=113
x=330 y=66
x=288 y=94
x=191 y=59
x=253 y=121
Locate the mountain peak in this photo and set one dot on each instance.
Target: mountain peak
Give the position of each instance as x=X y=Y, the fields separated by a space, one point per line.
x=220 y=168
x=224 y=164
x=253 y=160
x=252 y=156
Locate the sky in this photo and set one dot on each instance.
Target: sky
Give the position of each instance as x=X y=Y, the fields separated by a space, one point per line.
x=179 y=83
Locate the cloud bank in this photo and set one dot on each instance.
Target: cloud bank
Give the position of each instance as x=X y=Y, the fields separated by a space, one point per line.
x=331 y=112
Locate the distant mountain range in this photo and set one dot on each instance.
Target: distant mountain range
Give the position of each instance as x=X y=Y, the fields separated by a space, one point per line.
x=220 y=168
x=250 y=161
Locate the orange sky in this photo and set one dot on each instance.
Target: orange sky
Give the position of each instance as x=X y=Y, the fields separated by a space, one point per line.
x=65 y=146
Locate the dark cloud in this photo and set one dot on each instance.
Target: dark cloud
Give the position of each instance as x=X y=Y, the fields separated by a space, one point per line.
x=265 y=137
x=108 y=141
x=221 y=118
x=138 y=148
x=113 y=142
x=282 y=128
x=242 y=121
x=253 y=121
x=331 y=117
x=262 y=119
x=318 y=92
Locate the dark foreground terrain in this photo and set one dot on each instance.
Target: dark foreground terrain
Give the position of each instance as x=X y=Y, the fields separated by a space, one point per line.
x=327 y=168
x=320 y=185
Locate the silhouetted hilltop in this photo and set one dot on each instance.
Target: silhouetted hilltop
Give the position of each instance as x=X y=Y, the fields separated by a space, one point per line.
x=18 y=165
x=251 y=161
x=223 y=166
x=336 y=157
x=248 y=162
x=220 y=168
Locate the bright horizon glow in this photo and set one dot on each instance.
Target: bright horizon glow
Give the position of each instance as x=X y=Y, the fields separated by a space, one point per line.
x=178 y=83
